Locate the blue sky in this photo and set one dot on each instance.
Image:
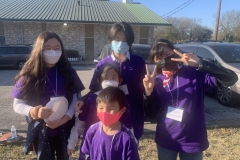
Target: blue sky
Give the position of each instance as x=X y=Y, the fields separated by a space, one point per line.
x=202 y=9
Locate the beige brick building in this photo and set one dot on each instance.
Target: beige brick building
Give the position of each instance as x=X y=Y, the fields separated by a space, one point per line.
x=86 y=35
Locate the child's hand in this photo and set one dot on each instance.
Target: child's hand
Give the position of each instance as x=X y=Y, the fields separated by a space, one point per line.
x=187 y=58
x=34 y=112
x=149 y=80
x=44 y=113
x=70 y=151
x=78 y=106
x=57 y=123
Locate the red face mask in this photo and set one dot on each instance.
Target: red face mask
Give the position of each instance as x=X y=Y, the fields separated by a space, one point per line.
x=108 y=119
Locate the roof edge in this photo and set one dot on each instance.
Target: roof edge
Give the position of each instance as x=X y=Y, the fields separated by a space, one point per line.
x=92 y=22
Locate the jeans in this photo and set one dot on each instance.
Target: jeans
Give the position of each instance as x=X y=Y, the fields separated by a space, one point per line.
x=55 y=145
x=165 y=154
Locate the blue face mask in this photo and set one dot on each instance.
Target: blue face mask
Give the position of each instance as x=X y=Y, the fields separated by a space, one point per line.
x=120 y=47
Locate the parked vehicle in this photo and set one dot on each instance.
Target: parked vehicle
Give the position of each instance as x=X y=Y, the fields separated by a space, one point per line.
x=14 y=55
x=225 y=54
x=73 y=55
x=139 y=49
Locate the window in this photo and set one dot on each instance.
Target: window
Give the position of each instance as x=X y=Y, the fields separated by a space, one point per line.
x=189 y=49
x=2 y=37
x=144 y=33
x=143 y=41
x=89 y=41
x=89 y=30
x=2 y=40
x=43 y=26
x=230 y=54
x=23 y=50
x=204 y=53
x=7 y=50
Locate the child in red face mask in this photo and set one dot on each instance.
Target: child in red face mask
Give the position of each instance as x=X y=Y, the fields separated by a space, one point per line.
x=109 y=75
x=109 y=138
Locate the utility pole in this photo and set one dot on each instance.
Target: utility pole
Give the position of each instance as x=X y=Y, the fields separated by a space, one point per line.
x=217 y=20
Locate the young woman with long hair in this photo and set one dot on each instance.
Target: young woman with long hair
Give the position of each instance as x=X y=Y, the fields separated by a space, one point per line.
x=45 y=75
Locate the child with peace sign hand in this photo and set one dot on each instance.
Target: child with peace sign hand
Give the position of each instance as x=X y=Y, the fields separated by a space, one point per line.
x=178 y=95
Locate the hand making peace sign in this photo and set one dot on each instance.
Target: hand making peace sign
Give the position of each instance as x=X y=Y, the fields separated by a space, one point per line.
x=187 y=58
x=148 y=81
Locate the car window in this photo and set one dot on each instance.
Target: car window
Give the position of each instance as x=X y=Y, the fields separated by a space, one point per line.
x=142 y=52
x=204 y=53
x=230 y=54
x=23 y=50
x=7 y=50
x=189 y=49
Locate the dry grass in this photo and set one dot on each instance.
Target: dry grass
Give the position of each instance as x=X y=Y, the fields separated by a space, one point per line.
x=224 y=145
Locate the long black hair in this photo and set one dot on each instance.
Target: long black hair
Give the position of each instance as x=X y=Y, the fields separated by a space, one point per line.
x=33 y=74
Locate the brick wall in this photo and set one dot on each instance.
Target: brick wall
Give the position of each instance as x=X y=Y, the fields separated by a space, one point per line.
x=150 y=35
x=136 y=30
x=72 y=35
x=100 y=37
x=21 y=32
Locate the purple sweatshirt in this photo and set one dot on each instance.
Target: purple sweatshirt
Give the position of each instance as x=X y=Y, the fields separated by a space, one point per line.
x=121 y=146
x=189 y=135
x=50 y=88
x=133 y=72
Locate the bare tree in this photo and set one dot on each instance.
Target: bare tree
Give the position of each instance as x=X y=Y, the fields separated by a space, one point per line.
x=229 y=26
x=183 y=29
x=167 y=32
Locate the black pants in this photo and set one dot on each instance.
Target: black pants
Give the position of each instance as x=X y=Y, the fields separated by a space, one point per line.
x=55 y=146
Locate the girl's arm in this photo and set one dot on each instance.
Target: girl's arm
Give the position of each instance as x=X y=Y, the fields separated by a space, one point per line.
x=20 y=107
x=151 y=105
x=223 y=75
x=71 y=110
x=76 y=131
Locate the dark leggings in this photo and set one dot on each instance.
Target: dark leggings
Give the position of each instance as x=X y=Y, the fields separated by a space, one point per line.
x=55 y=146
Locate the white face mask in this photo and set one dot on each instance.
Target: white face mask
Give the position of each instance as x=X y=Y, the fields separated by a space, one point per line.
x=52 y=57
x=107 y=83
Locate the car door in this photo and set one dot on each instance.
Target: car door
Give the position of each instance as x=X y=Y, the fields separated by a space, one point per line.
x=7 y=56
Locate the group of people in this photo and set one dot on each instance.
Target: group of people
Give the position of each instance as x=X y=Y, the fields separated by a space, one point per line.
x=122 y=92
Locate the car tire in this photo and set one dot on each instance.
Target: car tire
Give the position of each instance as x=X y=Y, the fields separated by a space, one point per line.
x=226 y=96
x=20 y=64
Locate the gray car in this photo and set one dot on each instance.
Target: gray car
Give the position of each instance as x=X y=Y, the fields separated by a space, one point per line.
x=225 y=54
x=14 y=55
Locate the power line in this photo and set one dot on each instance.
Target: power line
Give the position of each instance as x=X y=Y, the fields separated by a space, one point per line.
x=175 y=8
x=179 y=9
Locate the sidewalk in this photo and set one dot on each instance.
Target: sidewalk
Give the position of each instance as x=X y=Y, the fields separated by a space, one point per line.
x=82 y=63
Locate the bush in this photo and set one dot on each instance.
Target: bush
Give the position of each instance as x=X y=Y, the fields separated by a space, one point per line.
x=71 y=53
